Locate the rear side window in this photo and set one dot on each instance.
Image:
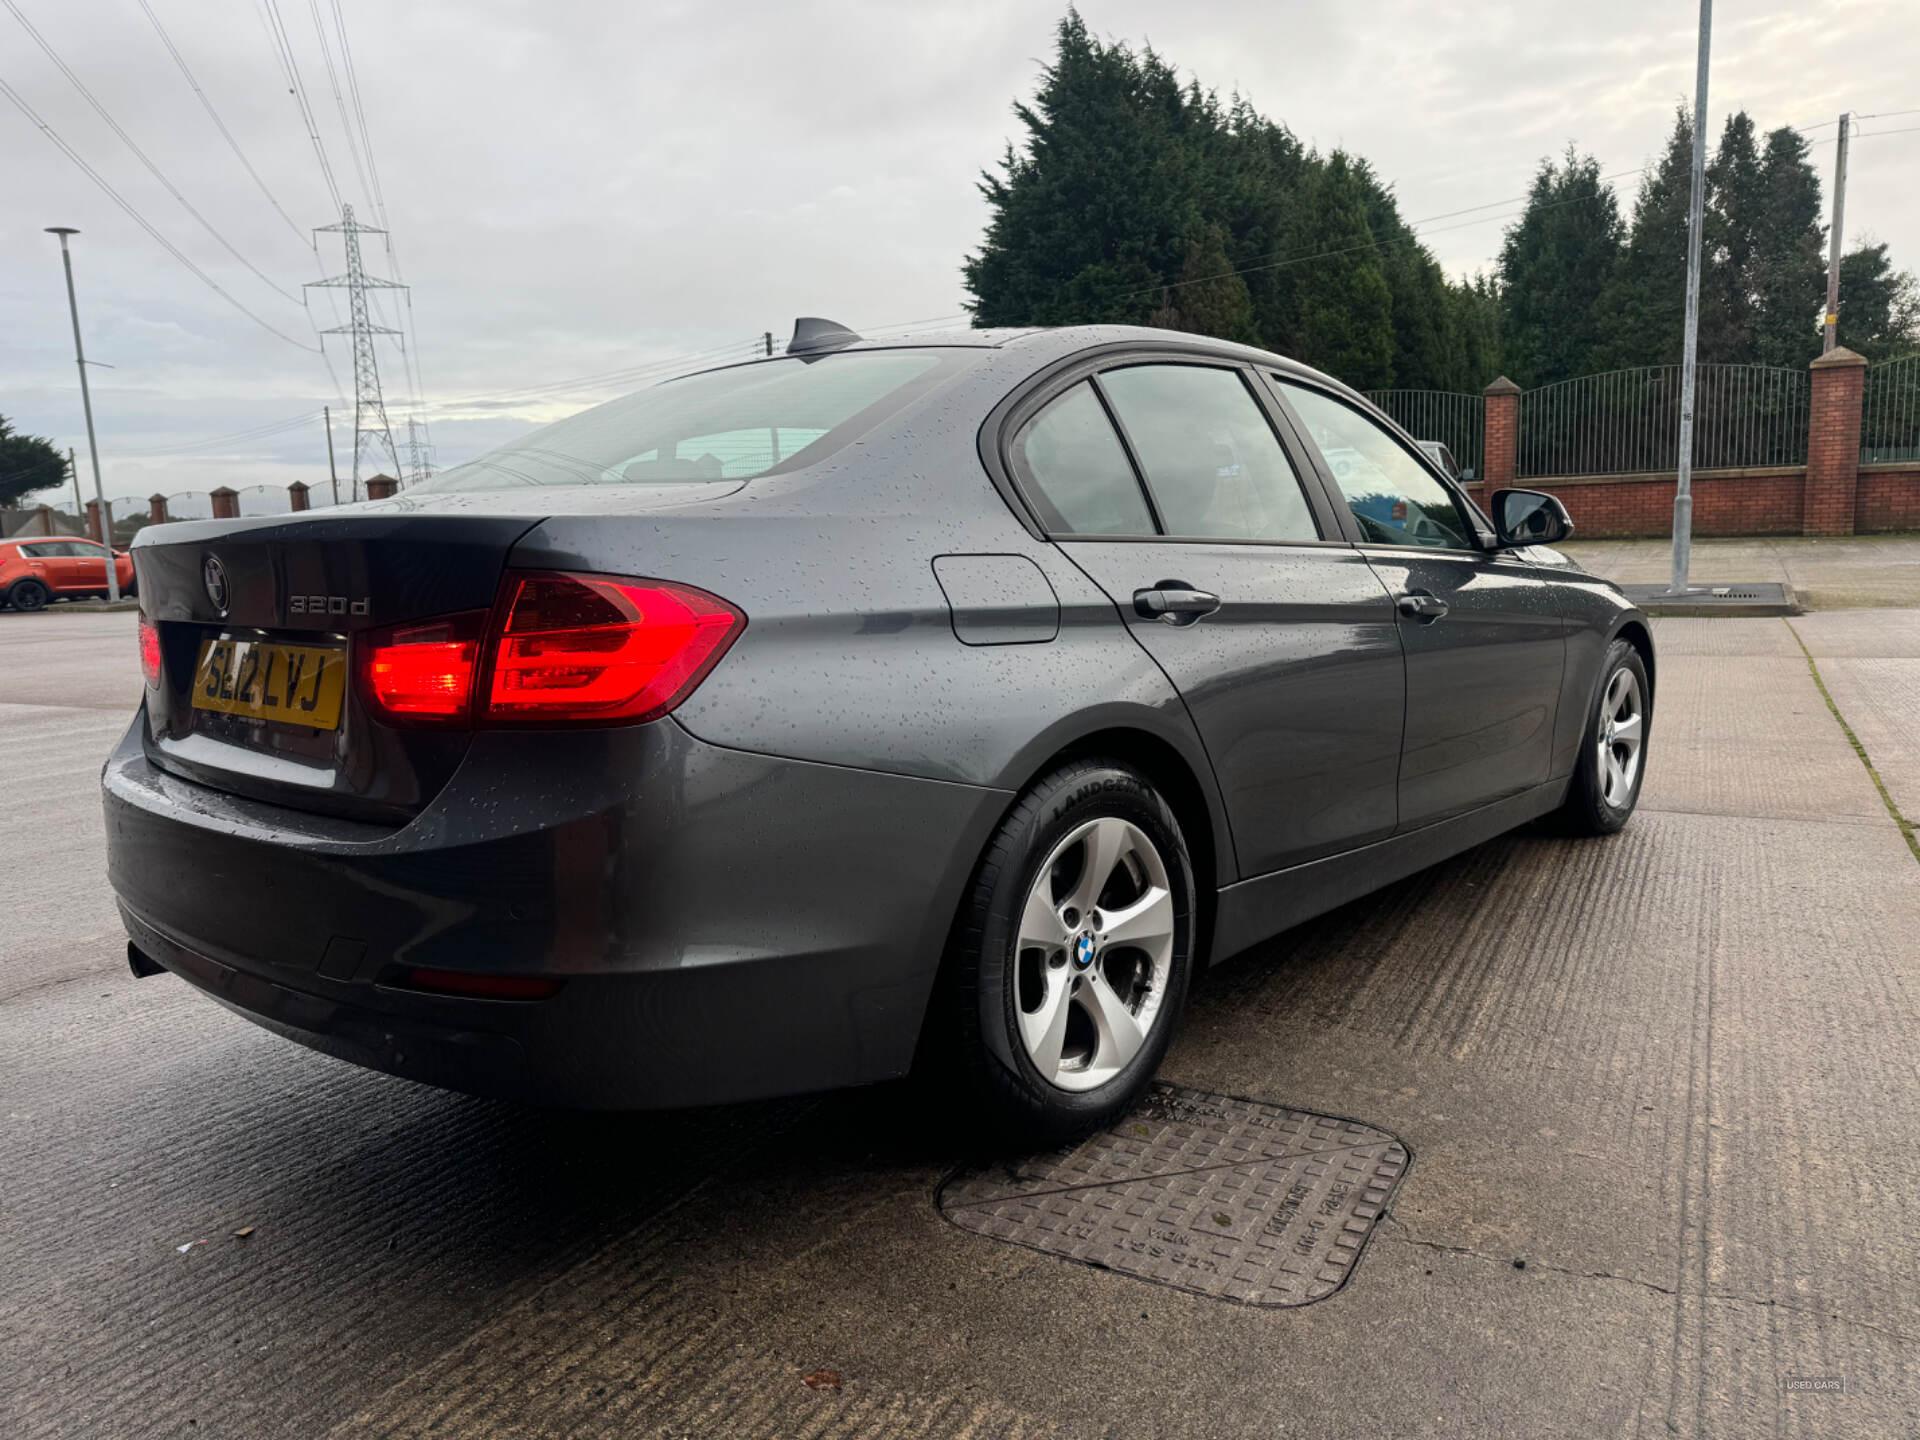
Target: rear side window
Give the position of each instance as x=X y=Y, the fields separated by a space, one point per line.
x=1074 y=468
x=723 y=425
x=1215 y=467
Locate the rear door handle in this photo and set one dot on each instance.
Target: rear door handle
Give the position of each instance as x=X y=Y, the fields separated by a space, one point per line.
x=1421 y=606
x=1174 y=602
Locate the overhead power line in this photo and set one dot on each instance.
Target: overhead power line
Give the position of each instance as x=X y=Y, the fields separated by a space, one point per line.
x=340 y=104
x=238 y=437
x=219 y=124
x=141 y=220
x=290 y=69
x=140 y=154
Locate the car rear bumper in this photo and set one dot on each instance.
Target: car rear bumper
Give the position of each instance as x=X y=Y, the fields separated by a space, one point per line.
x=727 y=925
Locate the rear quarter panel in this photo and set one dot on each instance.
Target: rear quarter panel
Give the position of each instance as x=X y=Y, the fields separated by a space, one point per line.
x=850 y=655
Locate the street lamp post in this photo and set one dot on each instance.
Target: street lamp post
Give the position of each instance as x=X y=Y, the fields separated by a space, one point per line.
x=1683 y=486
x=86 y=403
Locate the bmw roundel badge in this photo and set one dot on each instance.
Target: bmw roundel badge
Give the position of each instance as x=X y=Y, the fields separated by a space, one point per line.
x=215 y=575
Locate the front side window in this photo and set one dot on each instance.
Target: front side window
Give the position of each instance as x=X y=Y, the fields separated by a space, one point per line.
x=1395 y=498
x=728 y=424
x=1074 y=468
x=1216 y=469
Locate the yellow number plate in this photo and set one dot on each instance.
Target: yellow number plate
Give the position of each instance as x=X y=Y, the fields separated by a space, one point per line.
x=295 y=684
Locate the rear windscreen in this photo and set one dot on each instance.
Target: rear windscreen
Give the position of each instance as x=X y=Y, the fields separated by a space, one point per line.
x=723 y=425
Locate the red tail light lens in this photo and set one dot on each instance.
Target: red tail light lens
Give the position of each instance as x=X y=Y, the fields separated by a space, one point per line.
x=150 y=651
x=585 y=649
x=422 y=674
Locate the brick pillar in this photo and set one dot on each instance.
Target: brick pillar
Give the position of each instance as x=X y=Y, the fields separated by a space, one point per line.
x=44 y=515
x=1503 y=436
x=297 y=493
x=226 y=503
x=1833 y=442
x=93 y=521
x=379 y=487
x=157 y=509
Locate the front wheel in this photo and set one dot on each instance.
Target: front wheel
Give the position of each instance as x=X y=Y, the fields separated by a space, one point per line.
x=1612 y=762
x=1073 y=952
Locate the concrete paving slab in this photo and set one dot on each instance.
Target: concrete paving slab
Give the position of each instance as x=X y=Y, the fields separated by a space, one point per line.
x=1881 y=701
x=1887 y=634
x=1825 y=572
x=88 y=660
x=1751 y=735
x=59 y=917
x=1690 y=636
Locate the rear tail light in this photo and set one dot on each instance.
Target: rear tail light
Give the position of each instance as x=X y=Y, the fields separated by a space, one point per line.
x=593 y=648
x=557 y=649
x=150 y=651
x=423 y=673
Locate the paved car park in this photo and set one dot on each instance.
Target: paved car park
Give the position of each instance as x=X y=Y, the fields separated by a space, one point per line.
x=1657 y=1095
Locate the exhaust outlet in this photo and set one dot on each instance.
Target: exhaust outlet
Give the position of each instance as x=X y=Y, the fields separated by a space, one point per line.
x=141 y=966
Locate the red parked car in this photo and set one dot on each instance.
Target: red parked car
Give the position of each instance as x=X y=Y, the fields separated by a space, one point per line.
x=36 y=569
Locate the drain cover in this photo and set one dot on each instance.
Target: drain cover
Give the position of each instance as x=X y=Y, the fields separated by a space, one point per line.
x=1222 y=1197
x=1769 y=598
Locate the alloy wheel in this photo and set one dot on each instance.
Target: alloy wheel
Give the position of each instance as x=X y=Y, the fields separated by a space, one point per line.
x=1094 y=948
x=1617 y=744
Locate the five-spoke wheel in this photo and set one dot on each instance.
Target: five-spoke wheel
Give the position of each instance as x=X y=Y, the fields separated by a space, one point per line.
x=1073 y=951
x=1618 y=742
x=1096 y=939
x=1606 y=783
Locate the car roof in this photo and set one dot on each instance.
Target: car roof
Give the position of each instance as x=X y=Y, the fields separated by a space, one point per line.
x=1044 y=344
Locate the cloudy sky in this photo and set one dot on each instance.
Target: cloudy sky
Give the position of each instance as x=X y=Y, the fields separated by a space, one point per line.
x=578 y=189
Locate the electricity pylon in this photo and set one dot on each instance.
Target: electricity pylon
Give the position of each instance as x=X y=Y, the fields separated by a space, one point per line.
x=370 y=425
x=419 y=451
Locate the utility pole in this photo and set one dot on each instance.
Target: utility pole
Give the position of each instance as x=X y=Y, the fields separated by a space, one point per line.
x=79 y=505
x=767 y=340
x=86 y=403
x=1683 y=488
x=1833 y=240
x=370 y=425
x=333 y=475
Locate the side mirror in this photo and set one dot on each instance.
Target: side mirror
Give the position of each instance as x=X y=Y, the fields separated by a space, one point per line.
x=1529 y=517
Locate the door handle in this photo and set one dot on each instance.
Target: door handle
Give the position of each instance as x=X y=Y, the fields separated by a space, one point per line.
x=1421 y=606
x=1174 y=602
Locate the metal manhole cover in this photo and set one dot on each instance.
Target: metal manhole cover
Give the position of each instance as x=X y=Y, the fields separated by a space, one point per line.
x=1223 y=1197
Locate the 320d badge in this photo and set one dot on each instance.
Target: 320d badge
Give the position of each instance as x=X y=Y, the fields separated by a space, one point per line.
x=949 y=700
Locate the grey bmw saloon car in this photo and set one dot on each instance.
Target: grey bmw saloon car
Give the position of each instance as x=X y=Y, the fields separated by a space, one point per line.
x=951 y=699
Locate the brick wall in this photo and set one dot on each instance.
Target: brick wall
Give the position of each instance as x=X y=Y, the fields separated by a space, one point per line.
x=1725 y=502
x=1886 y=497
x=1832 y=494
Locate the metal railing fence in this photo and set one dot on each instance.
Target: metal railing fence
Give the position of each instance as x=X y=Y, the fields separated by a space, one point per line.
x=190 y=505
x=1627 y=422
x=1890 y=412
x=1455 y=418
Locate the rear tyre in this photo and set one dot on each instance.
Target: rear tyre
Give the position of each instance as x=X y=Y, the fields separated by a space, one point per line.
x=1072 y=954
x=1613 y=754
x=28 y=595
